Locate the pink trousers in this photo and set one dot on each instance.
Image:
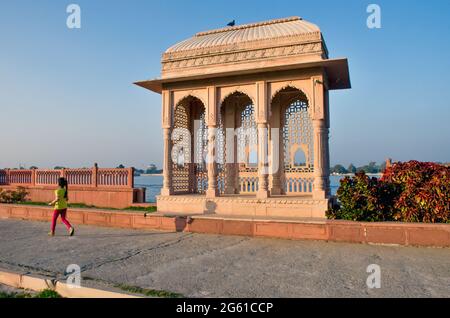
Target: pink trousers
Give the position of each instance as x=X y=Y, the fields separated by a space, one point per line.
x=57 y=213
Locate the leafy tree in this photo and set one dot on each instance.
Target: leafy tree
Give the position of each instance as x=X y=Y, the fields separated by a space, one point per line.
x=370 y=168
x=351 y=168
x=121 y=166
x=151 y=169
x=339 y=169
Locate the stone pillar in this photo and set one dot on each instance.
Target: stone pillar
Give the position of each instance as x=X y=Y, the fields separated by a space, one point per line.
x=388 y=163
x=213 y=190
x=130 y=181
x=262 y=116
x=327 y=163
x=33 y=177
x=263 y=170
x=326 y=142
x=95 y=175
x=167 y=188
x=275 y=150
x=211 y=121
x=321 y=172
x=230 y=149
x=321 y=151
x=167 y=165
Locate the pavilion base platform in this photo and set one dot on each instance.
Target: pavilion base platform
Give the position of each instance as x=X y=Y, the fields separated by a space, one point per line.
x=244 y=206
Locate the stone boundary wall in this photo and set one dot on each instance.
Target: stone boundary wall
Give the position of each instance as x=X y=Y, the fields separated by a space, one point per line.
x=105 y=198
x=109 y=188
x=87 y=177
x=389 y=233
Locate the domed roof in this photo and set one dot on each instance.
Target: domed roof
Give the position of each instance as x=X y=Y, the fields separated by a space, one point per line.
x=270 y=46
x=289 y=38
x=279 y=28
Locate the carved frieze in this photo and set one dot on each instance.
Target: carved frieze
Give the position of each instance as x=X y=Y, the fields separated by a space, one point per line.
x=250 y=55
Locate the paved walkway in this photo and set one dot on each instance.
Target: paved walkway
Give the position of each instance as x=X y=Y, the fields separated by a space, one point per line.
x=199 y=265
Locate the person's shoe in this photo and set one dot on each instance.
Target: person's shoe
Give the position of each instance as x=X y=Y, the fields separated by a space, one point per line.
x=51 y=234
x=71 y=231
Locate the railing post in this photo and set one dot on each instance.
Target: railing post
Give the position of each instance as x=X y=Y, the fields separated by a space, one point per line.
x=7 y=182
x=33 y=177
x=95 y=175
x=130 y=182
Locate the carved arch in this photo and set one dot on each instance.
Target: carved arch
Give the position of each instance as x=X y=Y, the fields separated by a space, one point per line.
x=179 y=96
x=300 y=89
x=226 y=92
x=189 y=146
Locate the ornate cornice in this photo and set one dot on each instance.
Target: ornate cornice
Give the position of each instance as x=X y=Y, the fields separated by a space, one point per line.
x=241 y=56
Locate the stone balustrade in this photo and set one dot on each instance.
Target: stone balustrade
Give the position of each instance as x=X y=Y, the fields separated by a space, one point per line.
x=93 y=177
x=102 y=187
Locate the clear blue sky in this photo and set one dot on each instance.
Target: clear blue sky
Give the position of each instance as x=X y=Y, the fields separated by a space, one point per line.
x=66 y=96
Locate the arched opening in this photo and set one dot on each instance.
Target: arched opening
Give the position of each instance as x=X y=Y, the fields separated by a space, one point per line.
x=296 y=155
x=189 y=147
x=240 y=165
x=299 y=158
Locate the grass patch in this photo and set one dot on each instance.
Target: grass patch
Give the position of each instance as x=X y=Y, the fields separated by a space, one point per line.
x=150 y=209
x=148 y=292
x=47 y=293
x=15 y=295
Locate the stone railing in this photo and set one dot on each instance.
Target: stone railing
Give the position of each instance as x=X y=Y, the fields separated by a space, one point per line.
x=297 y=183
x=93 y=177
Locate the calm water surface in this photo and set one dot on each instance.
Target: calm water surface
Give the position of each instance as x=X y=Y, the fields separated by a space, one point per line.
x=153 y=184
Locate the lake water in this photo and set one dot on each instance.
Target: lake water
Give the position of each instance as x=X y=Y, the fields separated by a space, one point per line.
x=153 y=184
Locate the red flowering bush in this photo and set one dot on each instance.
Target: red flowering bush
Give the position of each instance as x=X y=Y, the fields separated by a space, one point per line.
x=408 y=192
x=424 y=191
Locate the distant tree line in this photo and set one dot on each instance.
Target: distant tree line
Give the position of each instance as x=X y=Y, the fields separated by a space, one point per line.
x=151 y=169
x=372 y=167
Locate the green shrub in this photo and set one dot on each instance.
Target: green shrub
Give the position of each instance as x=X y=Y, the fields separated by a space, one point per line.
x=47 y=293
x=362 y=198
x=13 y=196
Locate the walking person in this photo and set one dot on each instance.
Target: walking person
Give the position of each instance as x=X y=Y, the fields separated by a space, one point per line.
x=60 y=203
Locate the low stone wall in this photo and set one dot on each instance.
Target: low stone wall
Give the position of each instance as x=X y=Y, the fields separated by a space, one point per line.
x=102 y=197
x=105 y=218
x=303 y=207
x=407 y=234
